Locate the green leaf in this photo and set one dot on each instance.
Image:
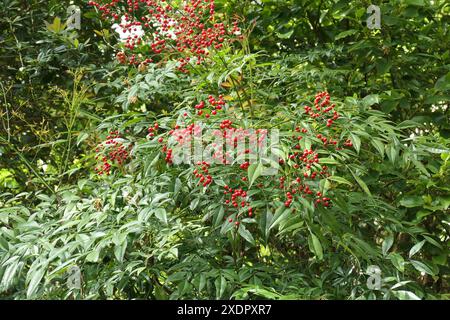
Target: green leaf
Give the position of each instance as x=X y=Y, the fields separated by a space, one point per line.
x=398 y=261
x=419 y=3
x=161 y=214
x=246 y=234
x=422 y=267
x=93 y=256
x=218 y=217
x=34 y=281
x=4 y=243
x=421 y=167
x=411 y=201
x=379 y=146
x=433 y=242
x=317 y=246
x=254 y=171
x=265 y=222
x=202 y=283
x=10 y=272
x=223 y=286
x=279 y=216
x=405 y=295
x=56 y=26
x=285 y=35
x=81 y=137
x=194 y=204
x=119 y=250
x=328 y=161
x=387 y=244
x=392 y=154
x=362 y=184
x=345 y=34
x=416 y=248
x=370 y=100
x=443 y=83
x=340 y=180
x=356 y=142
x=160 y=294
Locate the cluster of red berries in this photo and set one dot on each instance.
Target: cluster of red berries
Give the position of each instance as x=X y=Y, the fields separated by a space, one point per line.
x=302 y=130
x=226 y=124
x=121 y=57
x=245 y=165
x=169 y=154
x=322 y=109
x=298 y=188
x=326 y=141
x=305 y=159
x=348 y=143
x=320 y=199
x=112 y=151
x=153 y=129
x=180 y=136
x=203 y=178
x=189 y=28
x=308 y=160
x=212 y=108
x=238 y=198
x=288 y=202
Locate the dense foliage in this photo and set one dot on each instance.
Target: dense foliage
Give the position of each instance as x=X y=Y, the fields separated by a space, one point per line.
x=92 y=120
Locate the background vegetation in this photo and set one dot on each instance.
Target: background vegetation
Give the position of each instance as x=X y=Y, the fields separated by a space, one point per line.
x=149 y=230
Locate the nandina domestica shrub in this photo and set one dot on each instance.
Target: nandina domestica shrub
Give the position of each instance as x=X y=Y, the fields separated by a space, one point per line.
x=206 y=167
x=249 y=181
x=205 y=155
x=299 y=169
